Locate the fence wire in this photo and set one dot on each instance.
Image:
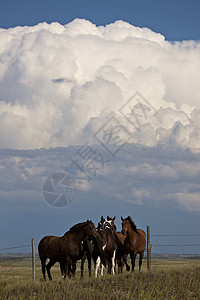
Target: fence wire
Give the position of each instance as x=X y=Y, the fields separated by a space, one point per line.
x=181 y=240
x=178 y=245
x=182 y=235
x=152 y=235
x=15 y=247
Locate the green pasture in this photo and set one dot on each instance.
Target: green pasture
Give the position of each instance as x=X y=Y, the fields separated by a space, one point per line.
x=170 y=279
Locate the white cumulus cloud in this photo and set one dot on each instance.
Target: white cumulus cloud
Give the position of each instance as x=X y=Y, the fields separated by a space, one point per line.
x=59 y=83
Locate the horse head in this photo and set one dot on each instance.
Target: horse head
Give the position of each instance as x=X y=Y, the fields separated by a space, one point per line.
x=100 y=224
x=90 y=230
x=128 y=224
x=125 y=225
x=109 y=223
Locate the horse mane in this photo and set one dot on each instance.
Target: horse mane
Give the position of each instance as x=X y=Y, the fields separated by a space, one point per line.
x=133 y=226
x=79 y=226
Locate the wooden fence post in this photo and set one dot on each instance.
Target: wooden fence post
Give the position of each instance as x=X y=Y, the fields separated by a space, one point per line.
x=33 y=259
x=148 y=252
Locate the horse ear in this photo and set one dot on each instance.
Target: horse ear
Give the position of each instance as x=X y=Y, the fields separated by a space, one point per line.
x=101 y=218
x=114 y=218
x=122 y=219
x=108 y=218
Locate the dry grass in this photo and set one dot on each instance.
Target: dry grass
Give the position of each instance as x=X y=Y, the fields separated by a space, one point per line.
x=170 y=279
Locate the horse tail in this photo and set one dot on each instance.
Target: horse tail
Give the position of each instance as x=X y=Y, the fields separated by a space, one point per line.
x=41 y=250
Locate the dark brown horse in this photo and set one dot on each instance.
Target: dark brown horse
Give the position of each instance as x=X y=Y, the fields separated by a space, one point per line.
x=66 y=249
x=135 y=241
x=120 y=257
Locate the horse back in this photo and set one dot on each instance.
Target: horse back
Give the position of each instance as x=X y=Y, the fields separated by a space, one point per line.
x=51 y=247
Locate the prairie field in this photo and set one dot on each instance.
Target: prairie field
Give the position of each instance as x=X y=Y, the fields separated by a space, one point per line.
x=170 y=279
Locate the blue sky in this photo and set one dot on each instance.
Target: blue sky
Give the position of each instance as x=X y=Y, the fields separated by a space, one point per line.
x=66 y=86
x=176 y=20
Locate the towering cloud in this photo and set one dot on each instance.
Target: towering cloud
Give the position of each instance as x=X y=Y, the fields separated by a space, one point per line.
x=59 y=84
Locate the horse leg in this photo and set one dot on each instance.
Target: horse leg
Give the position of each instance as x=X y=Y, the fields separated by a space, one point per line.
x=102 y=268
x=120 y=266
x=73 y=270
x=97 y=264
x=113 y=263
x=140 y=260
x=61 y=268
x=68 y=268
x=109 y=266
x=118 y=260
x=125 y=261
x=48 y=267
x=43 y=262
x=65 y=267
x=82 y=264
x=120 y=263
x=133 y=257
x=89 y=263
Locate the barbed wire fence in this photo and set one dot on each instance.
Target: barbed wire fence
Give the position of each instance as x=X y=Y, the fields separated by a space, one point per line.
x=15 y=247
x=152 y=244
x=179 y=244
x=8 y=256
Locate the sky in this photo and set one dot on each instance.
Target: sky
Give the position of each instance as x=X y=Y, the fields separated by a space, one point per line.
x=176 y=20
x=99 y=115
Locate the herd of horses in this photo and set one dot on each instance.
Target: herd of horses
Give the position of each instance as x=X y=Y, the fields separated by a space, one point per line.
x=104 y=245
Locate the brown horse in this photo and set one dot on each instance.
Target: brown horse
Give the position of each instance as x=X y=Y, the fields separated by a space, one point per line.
x=135 y=241
x=66 y=249
x=120 y=257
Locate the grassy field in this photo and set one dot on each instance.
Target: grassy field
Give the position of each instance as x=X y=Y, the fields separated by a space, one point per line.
x=170 y=279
